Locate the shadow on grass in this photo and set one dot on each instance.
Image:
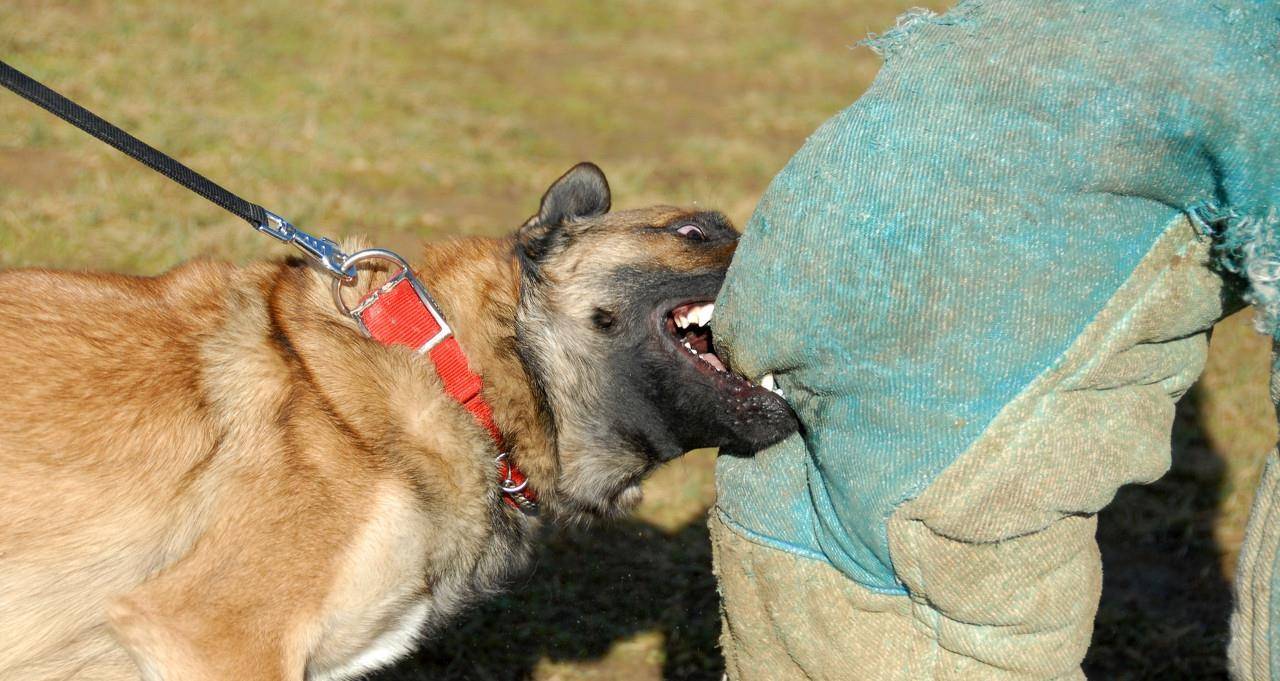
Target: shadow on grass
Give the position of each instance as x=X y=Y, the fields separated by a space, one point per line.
x=590 y=589
x=1166 y=603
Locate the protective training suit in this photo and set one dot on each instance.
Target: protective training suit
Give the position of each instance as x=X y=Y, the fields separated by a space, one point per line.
x=983 y=287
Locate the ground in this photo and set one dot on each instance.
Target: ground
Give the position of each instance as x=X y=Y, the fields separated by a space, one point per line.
x=406 y=121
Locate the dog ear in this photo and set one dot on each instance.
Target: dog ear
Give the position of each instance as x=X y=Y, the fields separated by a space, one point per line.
x=583 y=192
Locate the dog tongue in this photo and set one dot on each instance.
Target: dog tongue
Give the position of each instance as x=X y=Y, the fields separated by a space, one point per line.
x=710 y=358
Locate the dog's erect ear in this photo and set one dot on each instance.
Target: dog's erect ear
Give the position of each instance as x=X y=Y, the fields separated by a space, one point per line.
x=583 y=192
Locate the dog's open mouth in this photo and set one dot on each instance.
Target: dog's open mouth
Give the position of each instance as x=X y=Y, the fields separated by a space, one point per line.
x=687 y=325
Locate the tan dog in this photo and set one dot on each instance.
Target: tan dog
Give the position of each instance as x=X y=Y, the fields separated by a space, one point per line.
x=212 y=475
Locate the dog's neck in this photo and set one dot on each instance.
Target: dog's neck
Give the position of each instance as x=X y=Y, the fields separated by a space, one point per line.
x=476 y=283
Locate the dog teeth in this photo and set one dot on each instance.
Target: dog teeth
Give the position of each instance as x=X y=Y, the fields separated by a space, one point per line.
x=694 y=315
x=702 y=314
x=768 y=382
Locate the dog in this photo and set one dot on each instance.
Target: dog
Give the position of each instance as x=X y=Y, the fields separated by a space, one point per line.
x=212 y=475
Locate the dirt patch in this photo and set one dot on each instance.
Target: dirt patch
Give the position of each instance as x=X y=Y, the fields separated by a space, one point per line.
x=30 y=171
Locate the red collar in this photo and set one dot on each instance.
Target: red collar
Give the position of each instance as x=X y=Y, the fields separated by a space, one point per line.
x=401 y=312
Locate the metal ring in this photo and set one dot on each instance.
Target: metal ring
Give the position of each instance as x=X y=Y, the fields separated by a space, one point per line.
x=509 y=489
x=349 y=265
x=513 y=490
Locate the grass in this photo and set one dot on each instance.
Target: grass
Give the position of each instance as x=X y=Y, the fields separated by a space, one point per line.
x=408 y=121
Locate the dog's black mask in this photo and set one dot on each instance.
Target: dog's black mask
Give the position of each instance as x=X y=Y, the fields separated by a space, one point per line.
x=613 y=324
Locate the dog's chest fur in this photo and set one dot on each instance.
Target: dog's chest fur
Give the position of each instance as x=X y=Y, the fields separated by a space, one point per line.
x=375 y=616
x=433 y=536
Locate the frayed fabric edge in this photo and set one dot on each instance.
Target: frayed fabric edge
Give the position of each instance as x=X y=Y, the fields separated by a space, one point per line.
x=892 y=41
x=1247 y=245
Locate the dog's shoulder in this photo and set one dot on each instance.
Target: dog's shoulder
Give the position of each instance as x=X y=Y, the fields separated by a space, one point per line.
x=231 y=439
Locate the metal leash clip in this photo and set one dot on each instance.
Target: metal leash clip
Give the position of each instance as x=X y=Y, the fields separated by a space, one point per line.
x=320 y=249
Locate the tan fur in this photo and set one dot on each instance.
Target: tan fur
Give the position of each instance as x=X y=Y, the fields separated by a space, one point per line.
x=211 y=475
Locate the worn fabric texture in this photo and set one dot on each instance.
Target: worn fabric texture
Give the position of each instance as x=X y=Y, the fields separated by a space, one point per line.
x=983 y=287
x=1255 y=648
x=1255 y=645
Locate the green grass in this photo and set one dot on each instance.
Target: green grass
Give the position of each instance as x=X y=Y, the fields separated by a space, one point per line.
x=408 y=121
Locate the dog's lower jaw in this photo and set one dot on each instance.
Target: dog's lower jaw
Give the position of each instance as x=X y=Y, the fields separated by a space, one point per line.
x=600 y=482
x=575 y=512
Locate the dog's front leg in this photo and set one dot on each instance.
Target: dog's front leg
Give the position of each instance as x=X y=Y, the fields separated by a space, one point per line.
x=241 y=604
x=173 y=646
x=176 y=633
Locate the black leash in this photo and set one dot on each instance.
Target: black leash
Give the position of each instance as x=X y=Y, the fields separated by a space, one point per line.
x=322 y=250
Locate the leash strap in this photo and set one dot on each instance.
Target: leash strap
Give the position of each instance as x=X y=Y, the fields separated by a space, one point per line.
x=401 y=312
x=322 y=250
x=140 y=151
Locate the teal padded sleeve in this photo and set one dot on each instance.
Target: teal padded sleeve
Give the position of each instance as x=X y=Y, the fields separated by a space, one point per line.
x=940 y=243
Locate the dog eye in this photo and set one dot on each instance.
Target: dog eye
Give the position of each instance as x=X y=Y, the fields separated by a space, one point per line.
x=603 y=319
x=691 y=232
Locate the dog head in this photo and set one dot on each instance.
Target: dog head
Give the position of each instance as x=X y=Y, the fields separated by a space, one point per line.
x=613 y=326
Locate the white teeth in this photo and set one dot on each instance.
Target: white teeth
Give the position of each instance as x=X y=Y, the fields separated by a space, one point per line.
x=699 y=315
x=703 y=313
x=768 y=382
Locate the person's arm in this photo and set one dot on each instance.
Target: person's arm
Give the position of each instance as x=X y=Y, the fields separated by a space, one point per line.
x=983 y=287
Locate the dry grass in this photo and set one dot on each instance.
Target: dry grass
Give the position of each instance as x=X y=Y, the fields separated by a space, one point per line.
x=408 y=120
